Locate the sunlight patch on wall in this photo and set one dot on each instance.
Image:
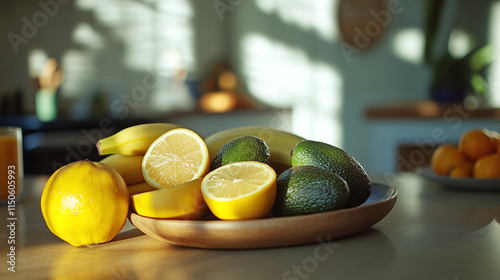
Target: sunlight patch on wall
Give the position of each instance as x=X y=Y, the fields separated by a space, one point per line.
x=85 y=35
x=317 y=114
x=274 y=72
x=285 y=77
x=147 y=29
x=137 y=33
x=36 y=61
x=89 y=4
x=494 y=77
x=179 y=8
x=79 y=69
x=408 y=45
x=107 y=12
x=460 y=43
x=309 y=15
x=179 y=36
x=152 y=39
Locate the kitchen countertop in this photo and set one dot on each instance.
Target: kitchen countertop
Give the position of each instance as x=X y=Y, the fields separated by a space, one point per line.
x=431 y=233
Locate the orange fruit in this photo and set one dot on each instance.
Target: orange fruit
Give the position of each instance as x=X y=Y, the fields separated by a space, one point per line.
x=476 y=143
x=487 y=167
x=464 y=170
x=176 y=157
x=445 y=158
x=495 y=137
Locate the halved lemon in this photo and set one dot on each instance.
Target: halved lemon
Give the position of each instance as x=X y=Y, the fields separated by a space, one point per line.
x=240 y=190
x=178 y=156
x=184 y=201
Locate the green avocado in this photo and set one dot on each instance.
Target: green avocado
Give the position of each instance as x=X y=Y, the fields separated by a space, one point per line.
x=242 y=148
x=326 y=156
x=303 y=190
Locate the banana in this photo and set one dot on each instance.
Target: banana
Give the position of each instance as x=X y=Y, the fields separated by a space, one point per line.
x=139 y=188
x=134 y=140
x=280 y=142
x=129 y=167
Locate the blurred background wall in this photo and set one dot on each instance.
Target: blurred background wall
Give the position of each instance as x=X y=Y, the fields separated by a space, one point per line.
x=145 y=58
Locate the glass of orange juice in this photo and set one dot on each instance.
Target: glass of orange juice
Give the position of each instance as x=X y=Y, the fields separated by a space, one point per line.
x=11 y=164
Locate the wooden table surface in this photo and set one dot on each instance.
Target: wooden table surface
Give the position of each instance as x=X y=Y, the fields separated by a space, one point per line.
x=431 y=233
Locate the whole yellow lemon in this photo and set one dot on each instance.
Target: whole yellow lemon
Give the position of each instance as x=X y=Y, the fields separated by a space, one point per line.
x=85 y=203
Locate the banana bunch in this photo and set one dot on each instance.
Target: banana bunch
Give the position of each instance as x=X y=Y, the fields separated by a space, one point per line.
x=126 y=150
x=127 y=147
x=128 y=166
x=280 y=142
x=139 y=188
x=134 y=140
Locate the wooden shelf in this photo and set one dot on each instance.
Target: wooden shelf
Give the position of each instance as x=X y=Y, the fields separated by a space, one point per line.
x=429 y=110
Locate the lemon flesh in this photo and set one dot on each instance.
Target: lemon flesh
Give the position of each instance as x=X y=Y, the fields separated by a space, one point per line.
x=178 y=156
x=240 y=191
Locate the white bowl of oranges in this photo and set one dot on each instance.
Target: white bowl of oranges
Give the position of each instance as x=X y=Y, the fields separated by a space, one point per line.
x=472 y=163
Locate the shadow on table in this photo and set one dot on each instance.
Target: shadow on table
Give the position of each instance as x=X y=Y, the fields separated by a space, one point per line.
x=128 y=234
